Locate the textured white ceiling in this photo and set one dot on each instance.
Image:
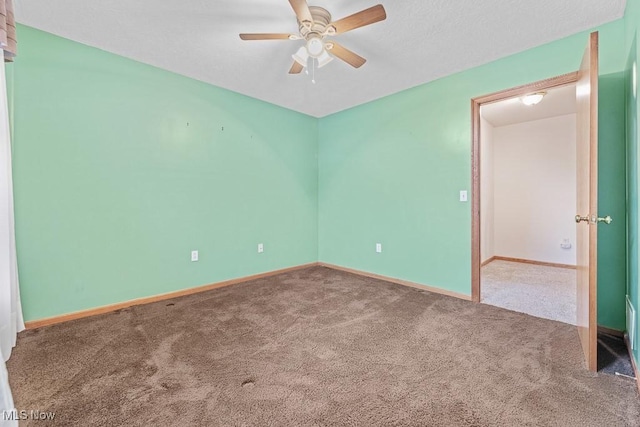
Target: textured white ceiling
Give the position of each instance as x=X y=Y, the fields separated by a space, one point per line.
x=557 y=102
x=420 y=41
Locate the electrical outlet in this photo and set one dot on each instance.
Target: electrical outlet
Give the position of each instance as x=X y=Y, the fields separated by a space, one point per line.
x=260 y=248
x=379 y=248
x=194 y=256
x=565 y=244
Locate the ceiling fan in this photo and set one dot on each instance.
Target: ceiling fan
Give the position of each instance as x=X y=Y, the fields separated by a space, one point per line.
x=315 y=25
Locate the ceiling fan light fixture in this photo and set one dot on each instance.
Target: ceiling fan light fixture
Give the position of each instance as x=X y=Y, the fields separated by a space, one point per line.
x=533 y=98
x=314 y=25
x=301 y=56
x=315 y=47
x=324 y=59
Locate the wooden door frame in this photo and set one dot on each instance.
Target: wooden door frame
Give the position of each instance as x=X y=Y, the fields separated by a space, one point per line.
x=476 y=103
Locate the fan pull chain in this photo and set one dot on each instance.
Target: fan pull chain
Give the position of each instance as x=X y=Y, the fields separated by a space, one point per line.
x=313 y=71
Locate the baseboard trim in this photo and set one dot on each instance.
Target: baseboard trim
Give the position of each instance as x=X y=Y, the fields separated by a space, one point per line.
x=633 y=361
x=487 y=261
x=397 y=281
x=528 y=261
x=33 y=324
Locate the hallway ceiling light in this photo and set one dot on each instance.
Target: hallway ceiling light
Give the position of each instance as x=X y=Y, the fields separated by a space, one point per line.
x=533 y=99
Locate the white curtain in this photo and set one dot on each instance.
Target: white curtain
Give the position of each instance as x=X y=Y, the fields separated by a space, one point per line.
x=11 y=321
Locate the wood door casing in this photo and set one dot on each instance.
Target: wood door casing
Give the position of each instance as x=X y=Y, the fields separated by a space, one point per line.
x=587 y=201
x=476 y=103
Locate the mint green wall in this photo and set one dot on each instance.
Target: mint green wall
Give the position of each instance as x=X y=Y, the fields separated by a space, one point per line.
x=391 y=170
x=612 y=251
x=121 y=169
x=632 y=18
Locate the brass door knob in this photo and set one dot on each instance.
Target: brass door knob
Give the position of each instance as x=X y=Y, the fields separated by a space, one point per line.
x=607 y=219
x=581 y=218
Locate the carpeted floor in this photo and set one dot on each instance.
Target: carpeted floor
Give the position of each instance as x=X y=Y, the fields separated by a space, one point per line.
x=541 y=291
x=315 y=347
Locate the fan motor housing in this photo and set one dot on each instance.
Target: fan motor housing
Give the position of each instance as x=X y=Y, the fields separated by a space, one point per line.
x=321 y=20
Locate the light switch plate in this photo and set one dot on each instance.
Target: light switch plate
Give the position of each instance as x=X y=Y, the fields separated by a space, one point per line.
x=463 y=195
x=260 y=248
x=379 y=247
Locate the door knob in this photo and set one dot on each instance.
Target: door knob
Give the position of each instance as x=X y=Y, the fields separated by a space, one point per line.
x=581 y=218
x=607 y=219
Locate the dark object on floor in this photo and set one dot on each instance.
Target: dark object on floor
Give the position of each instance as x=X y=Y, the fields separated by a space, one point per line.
x=315 y=347
x=613 y=356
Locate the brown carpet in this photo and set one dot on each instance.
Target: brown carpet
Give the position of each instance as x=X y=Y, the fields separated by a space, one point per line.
x=315 y=347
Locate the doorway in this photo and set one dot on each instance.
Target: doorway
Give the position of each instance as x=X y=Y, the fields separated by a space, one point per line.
x=528 y=187
x=587 y=218
x=476 y=105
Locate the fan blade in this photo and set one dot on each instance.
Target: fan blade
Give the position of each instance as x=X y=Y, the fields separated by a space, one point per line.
x=301 y=8
x=295 y=68
x=365 y=17
x=260 y=36
x=347 y=56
